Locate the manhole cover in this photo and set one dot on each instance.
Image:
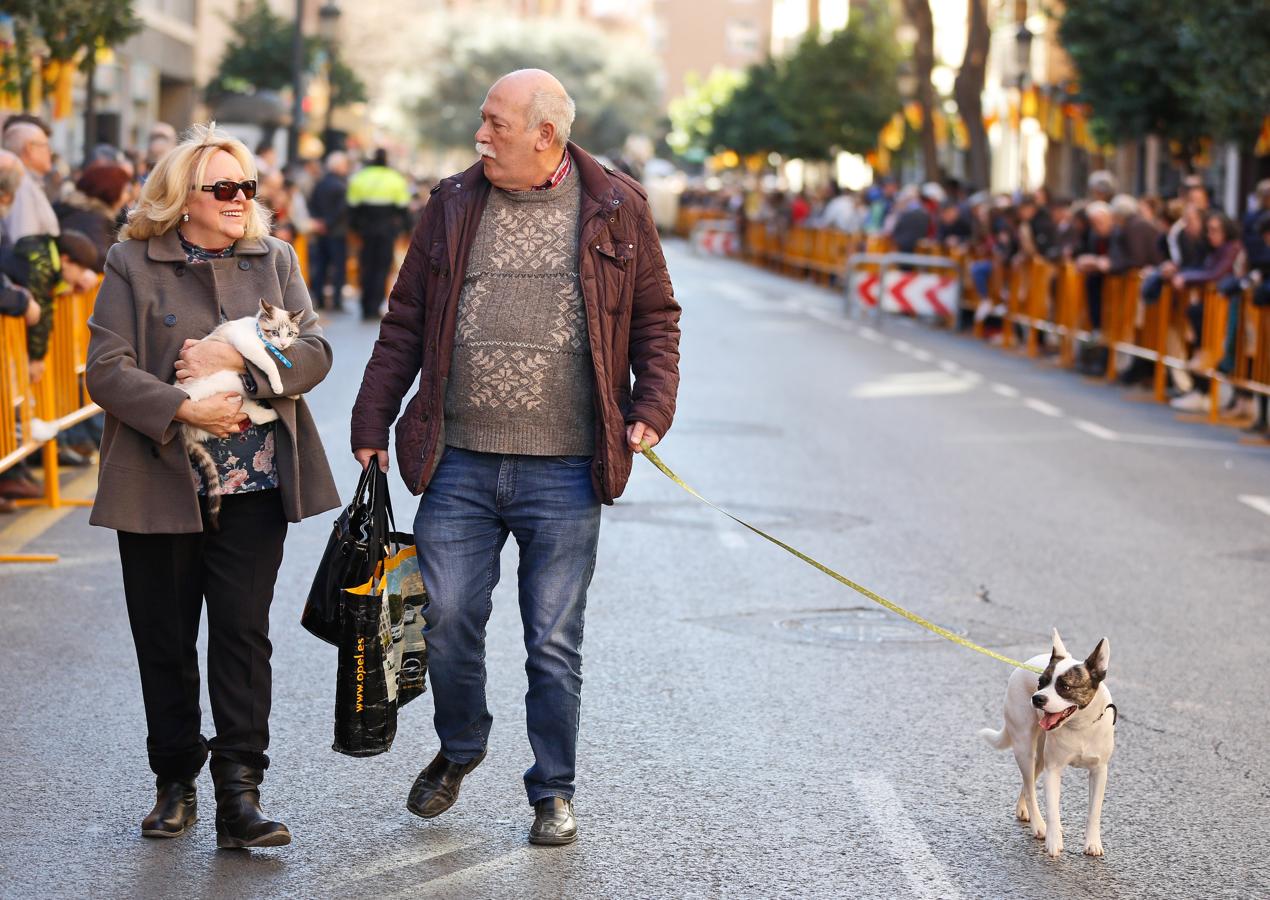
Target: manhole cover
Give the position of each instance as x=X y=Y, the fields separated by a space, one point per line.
x=864 y=626
x=726 y=428
x=694 y=514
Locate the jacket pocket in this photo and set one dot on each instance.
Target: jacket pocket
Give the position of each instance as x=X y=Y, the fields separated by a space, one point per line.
x=616 y=263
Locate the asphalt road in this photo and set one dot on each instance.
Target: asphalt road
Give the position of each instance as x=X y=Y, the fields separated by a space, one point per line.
x=750 y=727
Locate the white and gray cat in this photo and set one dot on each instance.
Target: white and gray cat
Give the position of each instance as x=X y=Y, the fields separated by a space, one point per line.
x=248 y=336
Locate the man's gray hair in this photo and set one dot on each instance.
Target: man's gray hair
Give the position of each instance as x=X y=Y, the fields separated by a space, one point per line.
x=556 y=108
x=1124 y=206
x=11 y=173
x=17 y=136
x=1097 y=209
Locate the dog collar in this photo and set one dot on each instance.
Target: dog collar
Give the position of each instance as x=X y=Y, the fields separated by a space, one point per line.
x=272 y=349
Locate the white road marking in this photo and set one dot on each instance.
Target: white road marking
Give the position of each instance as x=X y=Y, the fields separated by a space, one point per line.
x=831 y=318
x=731 y=539
x=1096 y=430
x=1260 y=504
x=870 y=335
x=913 y=384
x=949 y=366
x=921 y=355
x=1005 y=390
x=926 y=877
x=460 y=876
x=1040 y=406
x=902 y=346
x=399 y=861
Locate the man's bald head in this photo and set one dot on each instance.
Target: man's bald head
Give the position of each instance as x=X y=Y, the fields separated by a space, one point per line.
x=525 y=123
x=541 y=99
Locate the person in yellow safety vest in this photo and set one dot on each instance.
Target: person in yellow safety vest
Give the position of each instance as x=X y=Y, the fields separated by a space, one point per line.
x=378 y=205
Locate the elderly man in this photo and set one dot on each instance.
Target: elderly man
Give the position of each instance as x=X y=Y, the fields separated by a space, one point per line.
x=534 y=286
x=31 y=229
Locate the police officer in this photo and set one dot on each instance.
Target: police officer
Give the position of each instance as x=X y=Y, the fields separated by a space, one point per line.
x=378 y=201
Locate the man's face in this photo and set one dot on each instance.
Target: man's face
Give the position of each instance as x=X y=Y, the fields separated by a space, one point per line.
x=512 y=155
x=37 y=155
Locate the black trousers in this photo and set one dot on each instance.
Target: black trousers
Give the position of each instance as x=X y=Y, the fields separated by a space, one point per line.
x=328 y=255
x=373 y=262
x=166 y=578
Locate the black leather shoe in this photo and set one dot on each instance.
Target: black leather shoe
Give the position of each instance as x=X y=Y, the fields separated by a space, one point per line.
x=240 y=822
x=554 y=824
x=175 y=809
x=437 y=786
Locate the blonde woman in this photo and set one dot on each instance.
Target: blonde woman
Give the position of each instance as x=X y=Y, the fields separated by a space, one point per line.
x=196 y=252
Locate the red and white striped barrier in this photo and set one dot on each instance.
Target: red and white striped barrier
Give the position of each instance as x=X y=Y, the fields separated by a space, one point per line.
x=910 y=293
x=716 y=239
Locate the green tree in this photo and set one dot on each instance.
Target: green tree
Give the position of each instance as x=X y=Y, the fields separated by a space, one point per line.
x=258 y=58
x=828 y=95
x=692 y=114
x=614 y=86
x=1231 y=39
x=1136 y=67
x=754 y=119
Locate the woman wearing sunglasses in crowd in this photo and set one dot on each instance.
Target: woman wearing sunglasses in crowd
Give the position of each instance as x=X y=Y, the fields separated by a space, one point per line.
x=196 y=252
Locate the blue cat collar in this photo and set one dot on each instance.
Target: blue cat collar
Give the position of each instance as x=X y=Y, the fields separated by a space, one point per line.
x=272 y=349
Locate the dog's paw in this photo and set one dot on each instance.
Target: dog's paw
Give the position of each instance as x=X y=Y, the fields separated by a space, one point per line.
x=1038 y=830
x=1093 y=847
x=1021 y=813
x=1053 y=848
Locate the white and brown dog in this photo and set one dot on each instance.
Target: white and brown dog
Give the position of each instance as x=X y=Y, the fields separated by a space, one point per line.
x=1063 y=718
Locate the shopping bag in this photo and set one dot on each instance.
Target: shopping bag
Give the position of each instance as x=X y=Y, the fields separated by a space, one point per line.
x=365 y=714
x=352 y=553
x=383 y=659
x=406 y=603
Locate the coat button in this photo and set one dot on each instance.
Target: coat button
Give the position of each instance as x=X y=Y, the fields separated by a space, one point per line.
x=617 y=202
x=244 y=265
x=154 y=451
x=180 y=270
x=426 y=415
x=169 y=320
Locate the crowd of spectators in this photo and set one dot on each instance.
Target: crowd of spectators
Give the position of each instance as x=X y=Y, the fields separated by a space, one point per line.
x=58 y=223
x=1181 y=241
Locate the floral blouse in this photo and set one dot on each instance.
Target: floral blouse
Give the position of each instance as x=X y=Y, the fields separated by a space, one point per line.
x=245 y=461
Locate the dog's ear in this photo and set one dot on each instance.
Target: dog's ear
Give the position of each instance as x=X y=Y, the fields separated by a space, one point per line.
x=1059 y=651
x=1097 y=662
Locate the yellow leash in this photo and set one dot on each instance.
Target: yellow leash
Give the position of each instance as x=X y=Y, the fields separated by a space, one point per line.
x=841 y=579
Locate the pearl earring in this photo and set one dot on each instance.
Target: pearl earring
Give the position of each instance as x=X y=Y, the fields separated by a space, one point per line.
x=185 y=217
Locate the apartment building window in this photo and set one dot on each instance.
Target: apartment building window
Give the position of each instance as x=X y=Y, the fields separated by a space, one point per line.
x=742 y=37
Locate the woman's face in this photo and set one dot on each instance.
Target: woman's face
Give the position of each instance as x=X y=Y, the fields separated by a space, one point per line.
x=215 y=224
x=1215 y=232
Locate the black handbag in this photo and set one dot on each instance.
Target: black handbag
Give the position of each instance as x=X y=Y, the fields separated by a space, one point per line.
x=356 y=546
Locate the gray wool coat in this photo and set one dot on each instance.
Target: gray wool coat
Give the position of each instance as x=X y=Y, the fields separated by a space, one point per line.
x=151 y=300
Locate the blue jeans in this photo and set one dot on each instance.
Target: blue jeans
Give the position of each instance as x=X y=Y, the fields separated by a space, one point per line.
x=473 y=502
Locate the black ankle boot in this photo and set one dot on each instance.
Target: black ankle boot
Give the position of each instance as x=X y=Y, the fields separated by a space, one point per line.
x=175 y=808
x=239 y=820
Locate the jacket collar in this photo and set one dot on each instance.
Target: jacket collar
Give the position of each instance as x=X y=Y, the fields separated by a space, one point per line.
x=597 y=184
x=166 y=247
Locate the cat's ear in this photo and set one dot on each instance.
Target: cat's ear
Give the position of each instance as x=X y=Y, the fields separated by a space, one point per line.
x=297 y=316
x=266 y=307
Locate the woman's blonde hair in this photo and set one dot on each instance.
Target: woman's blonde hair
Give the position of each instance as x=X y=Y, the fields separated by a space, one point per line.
x=166 y=191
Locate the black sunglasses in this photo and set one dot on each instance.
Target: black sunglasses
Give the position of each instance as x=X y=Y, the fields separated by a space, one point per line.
x=225 y=191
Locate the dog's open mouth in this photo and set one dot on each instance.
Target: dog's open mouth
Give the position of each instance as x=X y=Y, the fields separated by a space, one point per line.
x=1051 y=721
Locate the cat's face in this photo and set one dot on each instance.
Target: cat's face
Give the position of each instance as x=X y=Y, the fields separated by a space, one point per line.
x=279 y=327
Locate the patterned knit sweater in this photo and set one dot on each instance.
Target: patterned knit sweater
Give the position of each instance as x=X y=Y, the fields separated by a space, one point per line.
x=521 y=380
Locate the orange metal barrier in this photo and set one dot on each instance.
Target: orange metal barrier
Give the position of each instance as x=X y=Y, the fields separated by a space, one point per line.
x=57 y=402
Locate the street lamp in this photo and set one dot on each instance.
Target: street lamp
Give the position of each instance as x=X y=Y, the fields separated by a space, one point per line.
x=1023 y=53
x=1023 y=65
x=297 y=85
x=328 y=29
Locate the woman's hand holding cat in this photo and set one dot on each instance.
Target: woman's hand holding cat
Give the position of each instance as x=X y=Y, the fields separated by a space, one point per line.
x=219 y=414
x=199 y=358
